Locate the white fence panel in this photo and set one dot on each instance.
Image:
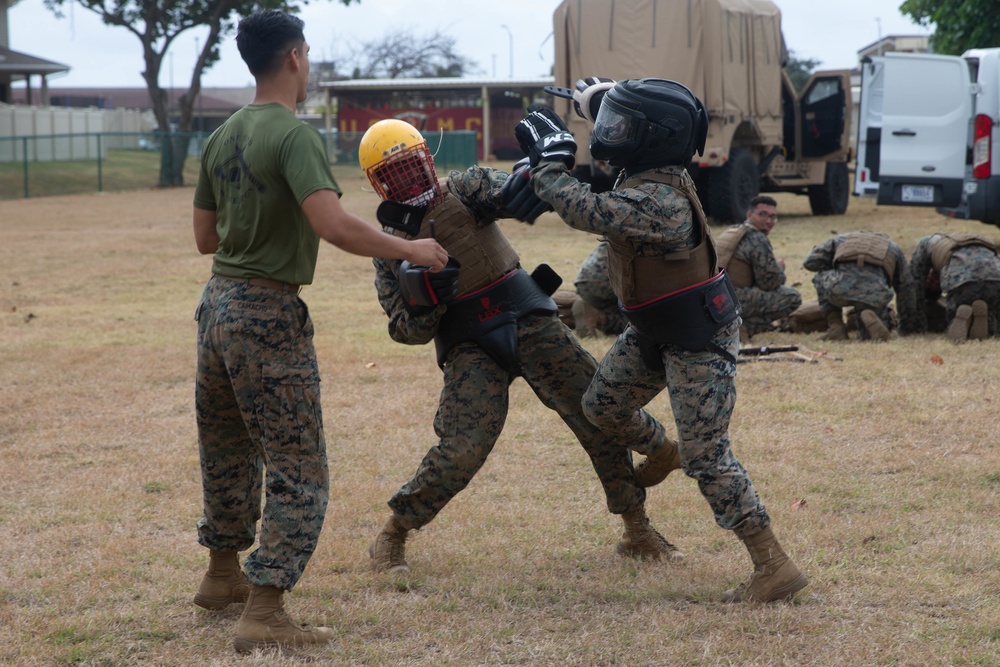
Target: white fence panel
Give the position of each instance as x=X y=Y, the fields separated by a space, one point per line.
x=62 y=122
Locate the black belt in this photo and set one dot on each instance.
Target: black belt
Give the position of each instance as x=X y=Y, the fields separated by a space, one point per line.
x=263 y=282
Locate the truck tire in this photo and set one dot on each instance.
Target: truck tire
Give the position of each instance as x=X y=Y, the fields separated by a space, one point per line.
x=732 y=186
x=700 y=177
x=831 y=197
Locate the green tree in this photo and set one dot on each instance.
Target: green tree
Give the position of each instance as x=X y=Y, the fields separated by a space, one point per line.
x=958 y=24
x=157 y=24
x=798 y=70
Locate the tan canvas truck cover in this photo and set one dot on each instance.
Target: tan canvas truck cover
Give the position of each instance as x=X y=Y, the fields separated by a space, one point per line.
x=728 y=52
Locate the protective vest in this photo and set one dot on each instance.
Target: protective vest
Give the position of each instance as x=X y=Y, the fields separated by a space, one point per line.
x=483 y=251
x=943 y=247
x=740 y=272
x=636 y=279
x=866 y=248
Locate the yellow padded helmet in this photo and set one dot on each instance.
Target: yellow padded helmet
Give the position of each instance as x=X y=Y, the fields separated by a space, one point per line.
x=398 y=163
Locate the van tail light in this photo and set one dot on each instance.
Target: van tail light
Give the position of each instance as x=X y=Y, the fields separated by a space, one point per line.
x=981 y=140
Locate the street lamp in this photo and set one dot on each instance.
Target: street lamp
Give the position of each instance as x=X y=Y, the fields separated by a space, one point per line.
x=510 y=37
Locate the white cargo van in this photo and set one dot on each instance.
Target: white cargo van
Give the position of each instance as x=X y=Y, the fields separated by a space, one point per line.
x=928 y=132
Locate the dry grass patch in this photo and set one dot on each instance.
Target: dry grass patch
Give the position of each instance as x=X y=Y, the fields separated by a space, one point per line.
x=894 y=456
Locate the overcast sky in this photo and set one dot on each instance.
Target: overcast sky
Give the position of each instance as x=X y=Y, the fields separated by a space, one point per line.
x=824 y=30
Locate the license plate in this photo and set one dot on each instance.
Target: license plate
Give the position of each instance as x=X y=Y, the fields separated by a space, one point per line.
x=918 y=194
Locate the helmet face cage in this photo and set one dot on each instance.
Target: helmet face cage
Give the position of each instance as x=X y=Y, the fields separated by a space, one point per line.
x=407 y=177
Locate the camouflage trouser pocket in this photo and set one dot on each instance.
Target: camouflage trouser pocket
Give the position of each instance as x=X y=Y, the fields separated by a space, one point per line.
x=288 y=408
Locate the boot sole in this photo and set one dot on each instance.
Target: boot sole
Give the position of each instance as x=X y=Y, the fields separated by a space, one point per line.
x=242 y=645
x=250 y=645
x=216 y=604
x=979 y=328
x=958 y=330
x=637 y=554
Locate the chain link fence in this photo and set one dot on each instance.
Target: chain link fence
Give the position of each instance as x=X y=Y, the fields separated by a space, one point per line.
x=62 y=164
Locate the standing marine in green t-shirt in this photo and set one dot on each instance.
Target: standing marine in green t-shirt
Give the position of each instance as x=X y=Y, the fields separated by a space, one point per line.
x=265 y=198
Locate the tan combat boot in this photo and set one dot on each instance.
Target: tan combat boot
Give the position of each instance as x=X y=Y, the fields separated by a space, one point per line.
x=388 y=551
x=640 y=540
x=655 y=467
x=588 y=320
x=980 y=327
x=265 y=624
x=835 y=327
x=874 y=326
x=775 y=576
x=223 y=583
x=958 y=330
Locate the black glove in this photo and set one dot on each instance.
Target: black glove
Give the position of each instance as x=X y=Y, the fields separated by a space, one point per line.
x=517 y=197
x=544 y=137
x=588 y=95
x=423 y=289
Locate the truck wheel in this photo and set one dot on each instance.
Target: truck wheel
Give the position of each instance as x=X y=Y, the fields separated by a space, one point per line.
x=831 y=197
x=732 y=186
x=700 y=177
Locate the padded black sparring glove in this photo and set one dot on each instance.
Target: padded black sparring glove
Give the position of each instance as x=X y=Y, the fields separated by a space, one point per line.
x=423 y=289
x=518 y=198
x=588 y=95
x=544 y=137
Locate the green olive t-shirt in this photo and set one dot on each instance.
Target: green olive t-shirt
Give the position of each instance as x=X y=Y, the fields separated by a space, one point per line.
x=256 y=169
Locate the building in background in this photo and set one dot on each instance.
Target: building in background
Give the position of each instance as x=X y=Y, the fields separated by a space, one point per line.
x=212 y=107
x=489 y=107
x=16 y=66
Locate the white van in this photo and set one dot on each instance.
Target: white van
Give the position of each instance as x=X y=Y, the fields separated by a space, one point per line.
x=928 y=132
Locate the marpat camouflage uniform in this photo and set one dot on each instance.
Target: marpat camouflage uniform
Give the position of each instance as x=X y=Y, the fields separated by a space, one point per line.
x=865 y=287
x=258 y=405
x=769 y=299
x=594 y=287
x=657 y=220
x=474 y=400
x=972 y=273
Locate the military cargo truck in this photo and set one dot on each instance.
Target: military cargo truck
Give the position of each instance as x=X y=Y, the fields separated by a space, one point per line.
x=763 y=136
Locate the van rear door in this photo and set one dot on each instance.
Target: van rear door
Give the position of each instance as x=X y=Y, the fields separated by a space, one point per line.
x=914 y=120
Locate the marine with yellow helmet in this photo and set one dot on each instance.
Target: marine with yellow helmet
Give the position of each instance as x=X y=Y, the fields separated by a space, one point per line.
x=491 y=322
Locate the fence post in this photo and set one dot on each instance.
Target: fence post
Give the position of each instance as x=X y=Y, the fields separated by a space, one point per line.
x=24 y=155
x=100 y=175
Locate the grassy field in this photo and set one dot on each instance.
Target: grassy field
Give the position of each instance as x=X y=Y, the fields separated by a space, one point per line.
x=879 y=464
x=121 y=170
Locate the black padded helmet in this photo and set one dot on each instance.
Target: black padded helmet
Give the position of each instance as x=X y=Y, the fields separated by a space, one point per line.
x=645 y=123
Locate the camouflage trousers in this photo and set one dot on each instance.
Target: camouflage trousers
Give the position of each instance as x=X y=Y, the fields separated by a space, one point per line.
x=762 y=307
x=702 y=391
x=473 y=408
x=864 y=288
x=257 y=401
x=966 y=293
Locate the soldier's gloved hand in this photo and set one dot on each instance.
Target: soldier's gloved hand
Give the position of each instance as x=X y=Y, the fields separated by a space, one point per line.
x=544 y=137
x=588 y=95
x=422 y=289
x=518 y=198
